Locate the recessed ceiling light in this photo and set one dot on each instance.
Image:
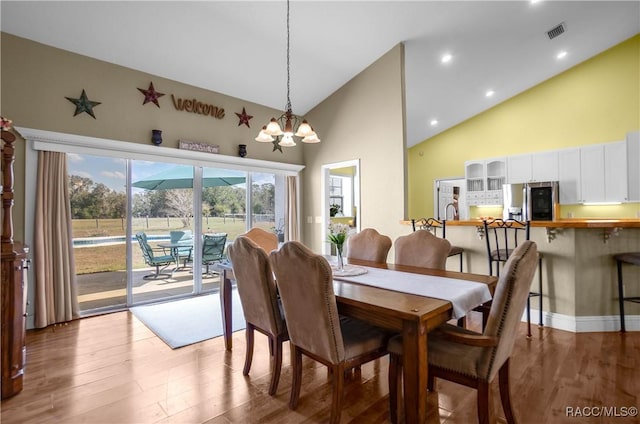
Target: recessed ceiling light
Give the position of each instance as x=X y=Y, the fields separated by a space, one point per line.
x=489 y=93
x=534 y=1
x=446 y=58
x=433 y=122
x=561 y=54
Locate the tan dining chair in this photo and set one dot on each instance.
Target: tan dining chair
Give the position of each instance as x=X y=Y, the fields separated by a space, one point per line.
x=259 y=299
x=263 y=238
x=368 y=245
x=316 y=330
x=433 y=225
x=473 y=359
x=421 y=248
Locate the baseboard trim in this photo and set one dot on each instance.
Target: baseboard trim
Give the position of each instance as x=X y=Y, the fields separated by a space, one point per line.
x=585 y=324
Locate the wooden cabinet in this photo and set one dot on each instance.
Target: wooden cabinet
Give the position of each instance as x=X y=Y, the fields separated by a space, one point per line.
x=14 y=350
x=12 y=282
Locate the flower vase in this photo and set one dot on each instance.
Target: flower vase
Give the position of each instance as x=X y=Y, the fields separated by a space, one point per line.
x=340 y=261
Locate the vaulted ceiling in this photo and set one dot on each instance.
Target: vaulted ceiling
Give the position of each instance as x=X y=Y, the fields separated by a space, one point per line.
x=238 y=48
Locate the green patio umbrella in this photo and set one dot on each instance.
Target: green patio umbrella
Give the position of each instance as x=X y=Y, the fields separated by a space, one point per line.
x=182 y=177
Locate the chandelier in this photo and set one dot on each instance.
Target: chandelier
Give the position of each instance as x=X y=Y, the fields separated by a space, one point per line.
x=287 y=125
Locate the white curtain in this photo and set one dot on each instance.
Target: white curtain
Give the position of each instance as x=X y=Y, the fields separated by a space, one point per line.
x=55 y=284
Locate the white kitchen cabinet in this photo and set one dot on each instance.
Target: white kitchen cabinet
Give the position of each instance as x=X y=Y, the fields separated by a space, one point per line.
x=484 y=181
x=544 y=166
x=616 y=188
x=633 y=166
x=569 y=176
x=519 y=169
x=592 y=173
x=603 y=172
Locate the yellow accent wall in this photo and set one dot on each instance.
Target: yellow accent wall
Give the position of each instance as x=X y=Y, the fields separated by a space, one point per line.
x=594 y=102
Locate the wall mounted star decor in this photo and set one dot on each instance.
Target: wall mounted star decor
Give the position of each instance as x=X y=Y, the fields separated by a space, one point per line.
x=83 y=104
x=244 y=118
x=151 y=95
x=276 y=145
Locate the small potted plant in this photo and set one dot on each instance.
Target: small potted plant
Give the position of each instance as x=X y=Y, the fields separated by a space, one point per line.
x=279 y=230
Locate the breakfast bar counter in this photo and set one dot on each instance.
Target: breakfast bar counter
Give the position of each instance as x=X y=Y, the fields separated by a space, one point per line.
x=561 y=223
x=579 y=271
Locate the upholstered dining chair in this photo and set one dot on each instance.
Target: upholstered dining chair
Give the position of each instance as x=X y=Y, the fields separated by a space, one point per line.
x=368 y=245
x=260 y=304
x=473 y=359
x=263 y=238
x=315 y=329
x=433 y=225
x=422 y=248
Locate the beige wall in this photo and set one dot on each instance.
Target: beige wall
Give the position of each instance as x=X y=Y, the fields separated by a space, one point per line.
x=363 y=120
x=37 y=78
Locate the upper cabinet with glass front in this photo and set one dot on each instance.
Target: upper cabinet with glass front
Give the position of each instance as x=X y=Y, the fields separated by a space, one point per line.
x=484 y=181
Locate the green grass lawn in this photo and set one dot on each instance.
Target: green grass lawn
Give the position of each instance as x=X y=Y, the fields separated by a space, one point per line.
x=113 y=257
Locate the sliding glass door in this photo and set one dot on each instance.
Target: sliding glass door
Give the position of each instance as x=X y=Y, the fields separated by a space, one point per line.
x=162 y=226
x=99 y=222
x=143 y=230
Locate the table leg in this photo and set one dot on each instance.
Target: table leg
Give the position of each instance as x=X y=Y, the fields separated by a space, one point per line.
x=414 y=340
x=225 y=307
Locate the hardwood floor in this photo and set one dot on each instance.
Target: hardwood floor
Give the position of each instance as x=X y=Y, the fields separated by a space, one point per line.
x=112 y=369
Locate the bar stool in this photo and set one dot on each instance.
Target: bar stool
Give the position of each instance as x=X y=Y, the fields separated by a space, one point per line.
x=502 y=239
x=432 y=224
x=631 y=258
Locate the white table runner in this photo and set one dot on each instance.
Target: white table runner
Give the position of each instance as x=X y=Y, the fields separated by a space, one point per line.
x=464 y=295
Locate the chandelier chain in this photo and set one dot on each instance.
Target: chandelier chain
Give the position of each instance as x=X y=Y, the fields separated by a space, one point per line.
x=288 y=107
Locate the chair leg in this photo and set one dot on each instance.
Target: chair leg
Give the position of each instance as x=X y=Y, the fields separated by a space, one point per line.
x=249 y=333
x=621 y=297
x=460 y=262
x=483 y=402
x=338 y=388
x=296 y=362
x=540 y=322
x=277 y=365
x=505 y=396
x=431 y=382
x=528 y=317
x=462 y=322
x=395 y=373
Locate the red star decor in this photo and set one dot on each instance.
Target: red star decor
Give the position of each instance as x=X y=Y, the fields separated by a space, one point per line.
x=151 y=95
x=244 y=118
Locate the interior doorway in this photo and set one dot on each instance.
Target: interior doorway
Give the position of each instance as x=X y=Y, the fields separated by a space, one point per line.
x=447 y=193
x=341 y=197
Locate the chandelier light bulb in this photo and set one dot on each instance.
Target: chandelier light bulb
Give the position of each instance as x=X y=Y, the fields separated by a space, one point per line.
x=311 y=138
x=287 y=140
x=304 y=129
x=273 y=128
x=263 y=137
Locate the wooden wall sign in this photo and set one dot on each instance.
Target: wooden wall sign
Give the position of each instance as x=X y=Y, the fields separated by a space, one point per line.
x=195 y=106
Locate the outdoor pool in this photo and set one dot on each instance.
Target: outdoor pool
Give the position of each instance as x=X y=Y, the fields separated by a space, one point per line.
x=106 y=241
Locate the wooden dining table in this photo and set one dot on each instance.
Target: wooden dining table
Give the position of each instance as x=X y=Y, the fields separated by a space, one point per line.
x=411 y=315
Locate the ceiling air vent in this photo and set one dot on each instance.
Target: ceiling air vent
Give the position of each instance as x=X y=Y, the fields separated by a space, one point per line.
x=556 y=31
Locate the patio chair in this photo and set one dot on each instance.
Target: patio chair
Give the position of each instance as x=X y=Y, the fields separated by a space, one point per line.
x=151 y=258
x=213 y=249
x=183 y=237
